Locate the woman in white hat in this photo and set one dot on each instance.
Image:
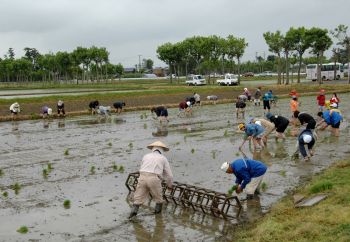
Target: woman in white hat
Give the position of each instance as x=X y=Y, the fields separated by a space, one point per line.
x=14 y=109
x=46 y=111
x=154 y=168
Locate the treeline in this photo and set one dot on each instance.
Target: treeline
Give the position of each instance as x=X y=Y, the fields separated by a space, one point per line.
x=216 y=54
x=81 y=64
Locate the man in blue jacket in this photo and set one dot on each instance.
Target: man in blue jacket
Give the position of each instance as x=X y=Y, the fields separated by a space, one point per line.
x=331 y=117
x=249 y=174
x=252 y=131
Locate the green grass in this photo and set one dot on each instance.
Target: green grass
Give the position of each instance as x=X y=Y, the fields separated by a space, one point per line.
x=321 y=186
x=66 y=204
x=5 y=194
x=325 y=221
x=23 y=230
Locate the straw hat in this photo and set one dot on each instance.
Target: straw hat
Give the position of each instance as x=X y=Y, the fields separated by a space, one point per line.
x=158 y=144
x=241 y=126
x=307 y=138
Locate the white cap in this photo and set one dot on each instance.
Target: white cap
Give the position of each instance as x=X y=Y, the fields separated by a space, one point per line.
x=49 y=111
x=258 y=122
x=334 y=105
x=225 y=166
x=245 y=89
x=188 y=103
x=307 y=138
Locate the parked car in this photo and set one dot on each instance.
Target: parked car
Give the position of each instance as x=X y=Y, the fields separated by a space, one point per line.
x=266 y=74
x=195 y=80
x=230 y=80
x=248 y=74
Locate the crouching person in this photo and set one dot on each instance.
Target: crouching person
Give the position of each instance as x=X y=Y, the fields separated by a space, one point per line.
x=249 y=174
x=306 y=138
x=154 y=168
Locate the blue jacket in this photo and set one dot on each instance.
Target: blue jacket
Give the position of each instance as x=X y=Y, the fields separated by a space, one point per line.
x=267 y=96
x=253 y=129
x=245 y=170
x=333 y=118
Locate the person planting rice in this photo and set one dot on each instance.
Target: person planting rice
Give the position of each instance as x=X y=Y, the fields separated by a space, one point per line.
x=60 y=108
x=305 y=118
x=118 y=106
x=14 y=109
x=257 y=96
x=154 y=168
x=185 y=108
x=104 y=110
x=249 y=175
x=306 y=138
x=240 y=107
x=331 y=117
x=321 y=100
x=93 y=105
x=267 y=125
x=46 y=111
x=161 y=113
x=281 y=123
x=252 y=132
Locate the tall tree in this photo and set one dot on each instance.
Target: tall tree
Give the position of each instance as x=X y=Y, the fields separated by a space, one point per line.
x=341 y=33
x=235 y=49
x=320 y=42
x=275 y=43
x=300 y=44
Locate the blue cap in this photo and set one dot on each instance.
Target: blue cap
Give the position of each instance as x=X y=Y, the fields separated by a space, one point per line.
x=269 y=115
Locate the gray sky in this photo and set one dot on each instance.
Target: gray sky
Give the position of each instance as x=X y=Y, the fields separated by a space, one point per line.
x=128 y=28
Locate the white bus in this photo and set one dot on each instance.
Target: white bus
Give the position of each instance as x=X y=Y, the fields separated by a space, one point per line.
x=327 y=71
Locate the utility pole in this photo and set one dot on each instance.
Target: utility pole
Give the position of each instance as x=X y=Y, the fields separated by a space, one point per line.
x=140 y=63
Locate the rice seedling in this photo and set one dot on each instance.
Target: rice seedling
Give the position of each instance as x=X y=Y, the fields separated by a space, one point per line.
x=177 y=143
x=263 y=186
x=145 y=115
x=66 y=152
x=22 y=230
x=115 y=167
x=232 y=189
x=237 y=153
x=226 y=133
x=283 y=173
x=1 y=172
x=145 y=126
x=66 y=204
x=110 y=144
x=45 y=173
x=192 y=150
x=121 y=169
x=5 y=194
x=130 y=145
x=49 y=167
x=141 y=116
x=213 y=154
x=16 y=187
x=92 y=170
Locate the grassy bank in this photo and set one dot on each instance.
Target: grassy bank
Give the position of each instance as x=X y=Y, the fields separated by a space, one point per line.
x=328 y=220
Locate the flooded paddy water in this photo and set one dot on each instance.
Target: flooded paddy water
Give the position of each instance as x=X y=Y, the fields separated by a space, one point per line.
x=84 y=152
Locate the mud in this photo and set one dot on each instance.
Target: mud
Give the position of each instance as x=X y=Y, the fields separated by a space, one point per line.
x=99 y=205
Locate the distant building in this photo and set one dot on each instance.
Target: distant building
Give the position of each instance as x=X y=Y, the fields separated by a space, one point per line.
x=130 y=70
x=160 y=71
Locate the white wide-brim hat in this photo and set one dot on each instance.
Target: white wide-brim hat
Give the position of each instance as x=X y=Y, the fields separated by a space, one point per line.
x=158 y=144
x=224 y=166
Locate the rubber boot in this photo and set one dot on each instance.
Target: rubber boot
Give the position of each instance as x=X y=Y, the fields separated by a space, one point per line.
x=134 y=210
x=158 y=208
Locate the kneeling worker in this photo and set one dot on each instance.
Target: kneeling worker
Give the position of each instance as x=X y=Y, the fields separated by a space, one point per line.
x=249 y=174
x=118 y=106
x=154 y=167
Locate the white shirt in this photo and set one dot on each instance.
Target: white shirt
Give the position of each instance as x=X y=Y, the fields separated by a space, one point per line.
x=158 y=164
x=197 y=97
x=15 y=108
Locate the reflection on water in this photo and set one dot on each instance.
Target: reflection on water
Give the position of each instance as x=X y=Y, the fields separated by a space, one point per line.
x=161 y=132
x=61 y=124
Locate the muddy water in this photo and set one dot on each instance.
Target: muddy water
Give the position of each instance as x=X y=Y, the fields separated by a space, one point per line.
x=99 y=207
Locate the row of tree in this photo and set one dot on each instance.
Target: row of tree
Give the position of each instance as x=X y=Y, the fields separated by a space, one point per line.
x=215 y=54
x=81 y=64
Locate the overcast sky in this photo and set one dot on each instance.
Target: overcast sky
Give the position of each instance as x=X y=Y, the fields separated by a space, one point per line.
x=129 y=28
